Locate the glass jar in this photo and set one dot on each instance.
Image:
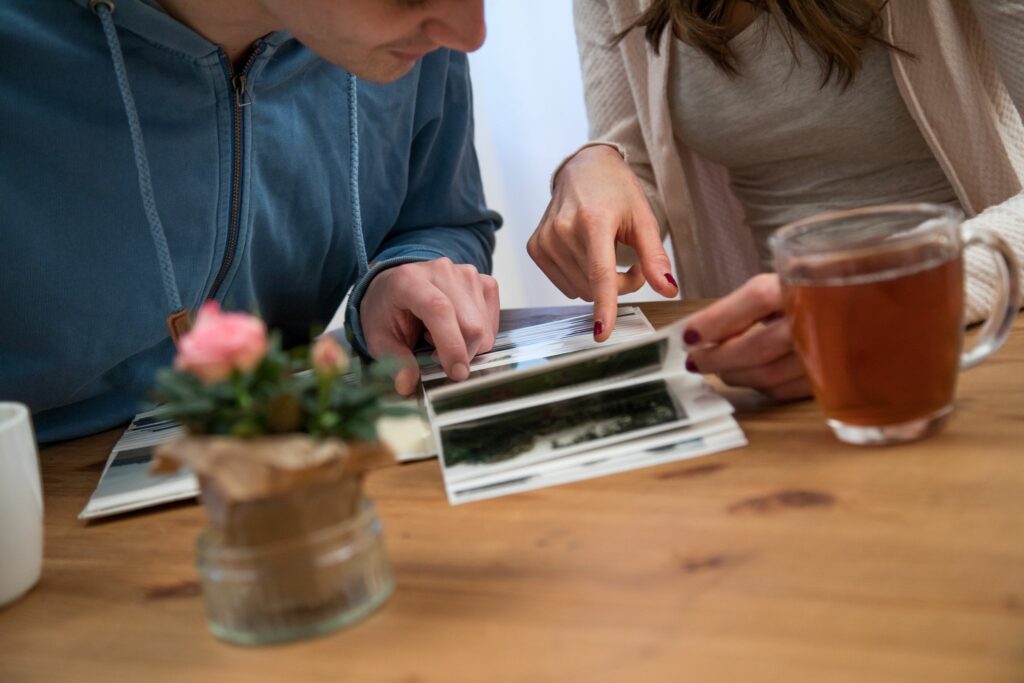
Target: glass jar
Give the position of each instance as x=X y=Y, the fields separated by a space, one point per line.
x=298 y=588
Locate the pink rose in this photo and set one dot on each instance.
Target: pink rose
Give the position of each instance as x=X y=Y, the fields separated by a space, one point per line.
x=328 y=356
x=221 y=342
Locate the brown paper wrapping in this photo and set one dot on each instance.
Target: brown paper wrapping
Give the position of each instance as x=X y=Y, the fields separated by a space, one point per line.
x=274 y=488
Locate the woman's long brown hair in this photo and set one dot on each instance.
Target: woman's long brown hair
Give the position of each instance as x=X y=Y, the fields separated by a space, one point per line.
x=836 y=30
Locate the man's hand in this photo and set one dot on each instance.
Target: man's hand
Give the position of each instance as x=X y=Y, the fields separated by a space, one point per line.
x=598 y=201
x=455 y=305
x=745 y=340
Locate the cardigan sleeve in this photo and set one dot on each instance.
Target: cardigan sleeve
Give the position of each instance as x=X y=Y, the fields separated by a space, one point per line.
x=1002 y=22
x=610 y=95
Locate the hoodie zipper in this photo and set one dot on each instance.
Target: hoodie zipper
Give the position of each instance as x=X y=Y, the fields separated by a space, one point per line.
x=240 y=90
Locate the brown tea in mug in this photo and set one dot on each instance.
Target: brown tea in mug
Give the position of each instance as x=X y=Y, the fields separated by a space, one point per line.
x=875 y=299
x=880 y=334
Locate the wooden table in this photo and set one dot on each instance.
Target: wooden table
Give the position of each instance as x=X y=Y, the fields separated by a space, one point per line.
x=794 y=559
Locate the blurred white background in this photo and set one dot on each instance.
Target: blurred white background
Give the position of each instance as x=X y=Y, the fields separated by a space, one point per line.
x=529 y=116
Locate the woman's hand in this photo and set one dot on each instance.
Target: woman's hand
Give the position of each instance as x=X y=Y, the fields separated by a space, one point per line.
x=745 y=340
x=454 y=305
x=597 y=201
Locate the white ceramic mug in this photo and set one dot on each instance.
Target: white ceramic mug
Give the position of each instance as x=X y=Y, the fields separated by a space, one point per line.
x=21 y=504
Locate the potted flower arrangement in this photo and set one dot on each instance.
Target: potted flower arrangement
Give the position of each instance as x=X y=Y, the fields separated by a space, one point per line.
x=280 y=442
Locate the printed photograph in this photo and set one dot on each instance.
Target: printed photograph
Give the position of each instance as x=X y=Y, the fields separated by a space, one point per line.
x=133 y=457
x=525 y=364
x=563 y=426
x=618 y=454
x=623 y=364
x=531 y=345
x=515 y=482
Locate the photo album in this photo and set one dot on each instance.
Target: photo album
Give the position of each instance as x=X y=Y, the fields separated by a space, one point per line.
x=554 y=419
x=546 y=405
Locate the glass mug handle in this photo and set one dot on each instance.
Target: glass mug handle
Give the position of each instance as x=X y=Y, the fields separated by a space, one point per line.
x=1007 y=301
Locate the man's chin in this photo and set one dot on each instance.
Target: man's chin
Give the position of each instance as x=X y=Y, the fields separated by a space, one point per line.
x=384 y=70
x=381 y=65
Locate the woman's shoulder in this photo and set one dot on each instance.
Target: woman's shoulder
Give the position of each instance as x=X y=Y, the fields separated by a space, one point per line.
x=610 y=16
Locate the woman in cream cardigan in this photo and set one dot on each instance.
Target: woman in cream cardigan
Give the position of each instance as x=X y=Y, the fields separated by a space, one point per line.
x=717 y=121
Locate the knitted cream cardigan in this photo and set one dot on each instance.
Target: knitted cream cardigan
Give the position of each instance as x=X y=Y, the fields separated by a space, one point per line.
x=964 y=87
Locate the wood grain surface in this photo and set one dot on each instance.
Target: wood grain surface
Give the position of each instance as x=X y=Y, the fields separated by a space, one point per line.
x=794 y=559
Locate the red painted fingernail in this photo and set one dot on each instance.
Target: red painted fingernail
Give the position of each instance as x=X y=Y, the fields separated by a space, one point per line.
x=691 y=337
x=598 y=328
x=671 y=280
x=691 y=366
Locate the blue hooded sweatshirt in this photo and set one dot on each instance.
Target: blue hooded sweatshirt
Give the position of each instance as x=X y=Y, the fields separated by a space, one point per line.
x=252 y=179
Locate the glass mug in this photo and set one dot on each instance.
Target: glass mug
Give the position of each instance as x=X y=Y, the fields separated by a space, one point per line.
x=875 y=301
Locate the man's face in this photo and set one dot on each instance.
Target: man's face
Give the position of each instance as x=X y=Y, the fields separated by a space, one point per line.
x=381 y=40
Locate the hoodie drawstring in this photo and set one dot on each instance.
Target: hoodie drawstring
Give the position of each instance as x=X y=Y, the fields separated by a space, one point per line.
x=353 y=174
x=179 y=321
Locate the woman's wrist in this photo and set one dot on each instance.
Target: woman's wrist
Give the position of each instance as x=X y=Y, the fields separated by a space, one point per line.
x=590 y=151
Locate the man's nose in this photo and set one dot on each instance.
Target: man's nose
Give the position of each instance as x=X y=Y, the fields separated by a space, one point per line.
x=460 y=27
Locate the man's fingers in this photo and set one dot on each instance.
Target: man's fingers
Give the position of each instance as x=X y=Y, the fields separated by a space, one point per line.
x=492 y=302
x=759 y=298
x=408 y=373
x=464 y=287
x=437 y=313
x=453 y=306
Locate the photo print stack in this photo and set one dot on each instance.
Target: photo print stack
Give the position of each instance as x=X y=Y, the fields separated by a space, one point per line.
x=539 y=420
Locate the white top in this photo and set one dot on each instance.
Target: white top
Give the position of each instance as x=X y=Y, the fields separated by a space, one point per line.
x=793 y=148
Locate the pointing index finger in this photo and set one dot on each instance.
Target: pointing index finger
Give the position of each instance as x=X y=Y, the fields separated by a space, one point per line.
x=604 y=282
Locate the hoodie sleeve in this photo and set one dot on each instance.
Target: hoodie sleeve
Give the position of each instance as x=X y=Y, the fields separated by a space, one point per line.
x=444 y=213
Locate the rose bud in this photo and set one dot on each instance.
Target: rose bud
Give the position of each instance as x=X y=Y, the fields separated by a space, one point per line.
x=220 y=343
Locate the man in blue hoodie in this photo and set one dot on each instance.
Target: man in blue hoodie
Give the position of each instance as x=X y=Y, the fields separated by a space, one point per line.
x=270 y=154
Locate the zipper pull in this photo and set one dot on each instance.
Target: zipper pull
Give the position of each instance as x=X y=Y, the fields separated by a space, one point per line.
x=240 y=86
